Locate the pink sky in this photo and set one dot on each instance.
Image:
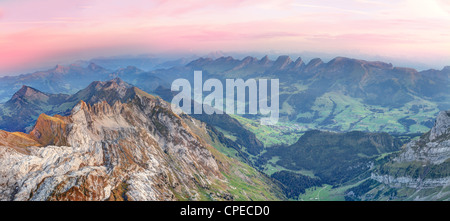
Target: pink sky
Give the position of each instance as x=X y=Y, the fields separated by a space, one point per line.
x=40 y=33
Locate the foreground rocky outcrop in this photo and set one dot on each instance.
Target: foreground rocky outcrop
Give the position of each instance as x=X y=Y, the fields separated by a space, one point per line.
x=434 y=146
x=422 y=169
x=138 y=150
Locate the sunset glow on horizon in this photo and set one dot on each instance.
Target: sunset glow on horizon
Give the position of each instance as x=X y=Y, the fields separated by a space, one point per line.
x=39 y=33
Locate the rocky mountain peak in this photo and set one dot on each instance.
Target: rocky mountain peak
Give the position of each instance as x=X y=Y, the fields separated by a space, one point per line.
x=282 y=62
x=199 y=62
x=116 y=83
x=249 y=59
x=314 y=63
x=80 y=106
x=109 y=91
x=26 y=90
x=422 y=163
x=245 y=62
x=432 y=147
x=225 y=59
x=341 y=61
x=298 y=63
x=94 y=67
x=264 y=60
x=28 y=93
x=441 y=126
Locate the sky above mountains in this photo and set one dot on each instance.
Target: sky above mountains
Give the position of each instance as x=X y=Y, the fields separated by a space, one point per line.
x=41 y=33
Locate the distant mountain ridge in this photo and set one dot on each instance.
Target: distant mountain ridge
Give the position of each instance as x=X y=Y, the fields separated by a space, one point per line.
x=60 y=79
x=343 y=94
x=68 y=79
x=325 y=95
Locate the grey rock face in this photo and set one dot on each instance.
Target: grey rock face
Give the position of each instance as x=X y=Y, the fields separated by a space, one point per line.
x=442 y=125
x=432 y=149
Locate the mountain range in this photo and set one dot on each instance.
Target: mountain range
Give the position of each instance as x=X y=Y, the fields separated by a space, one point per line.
x=346 y=126
x=112 y=135
x=343 y=94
